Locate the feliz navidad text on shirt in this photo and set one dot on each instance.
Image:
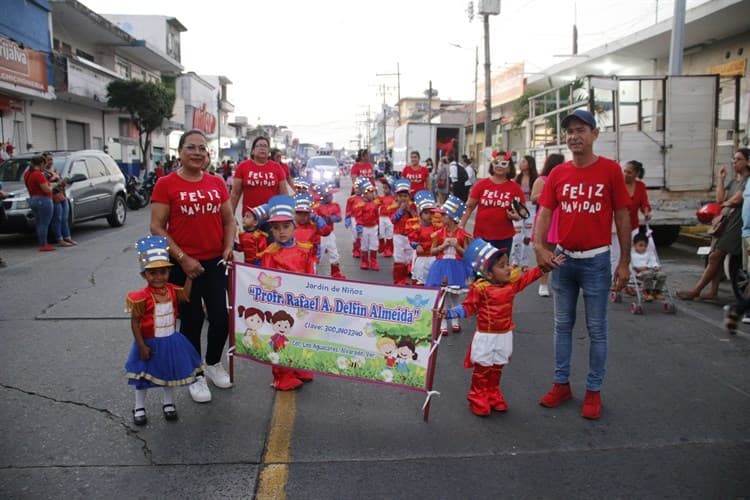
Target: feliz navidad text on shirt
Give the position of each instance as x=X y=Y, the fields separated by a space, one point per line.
x=199 y=202
x=261 y=178
x=494 y=198
x=582 y=197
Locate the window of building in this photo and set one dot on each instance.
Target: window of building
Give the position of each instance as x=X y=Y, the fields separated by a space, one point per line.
x=84 y=55
x=122 y=68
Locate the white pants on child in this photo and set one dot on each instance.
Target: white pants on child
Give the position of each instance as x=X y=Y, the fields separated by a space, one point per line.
x=328 y=246
x=369 y=239
x=353 y=229
x=385 y=228
x=489 y=349
x=420 y=268
x=402 y=250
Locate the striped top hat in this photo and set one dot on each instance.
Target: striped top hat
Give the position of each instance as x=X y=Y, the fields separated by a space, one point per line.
x=363 y=185
x=323 y=188
x=303 y=202
x=301 y=184
x=388 y=179
x=281 y=208
x=424 y=200
x=480 y=254
x=454 y=208
x=402 y=185
x=260 y=212
x=153 y=252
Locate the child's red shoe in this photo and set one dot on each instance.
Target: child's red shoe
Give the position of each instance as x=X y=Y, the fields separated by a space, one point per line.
x=556 y=395
x=388 y=252
x=374 y=261
x=284 y=379
x=336 y=272
x=304 y=376
x=592 y=405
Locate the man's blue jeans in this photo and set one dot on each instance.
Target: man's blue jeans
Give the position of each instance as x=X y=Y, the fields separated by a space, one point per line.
x=594 y=277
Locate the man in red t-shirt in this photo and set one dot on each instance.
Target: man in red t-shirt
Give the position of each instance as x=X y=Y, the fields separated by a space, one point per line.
x=418 y=175
x=589 y=191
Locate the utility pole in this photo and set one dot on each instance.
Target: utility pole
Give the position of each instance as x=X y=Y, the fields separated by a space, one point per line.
x=677 y=41
x=429 y=103
x=397 y=74
x=474 y=106
x=218 y=122
x=486 y=9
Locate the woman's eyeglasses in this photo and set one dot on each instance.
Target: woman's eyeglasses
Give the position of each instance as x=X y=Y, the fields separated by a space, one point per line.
x=193 y=148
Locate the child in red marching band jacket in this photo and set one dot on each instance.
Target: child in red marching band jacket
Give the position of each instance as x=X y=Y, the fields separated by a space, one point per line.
x=330 y=212
x=160 y=356
x=388 y=207
x=367 y=215
x=491 y=299
x=286 y=254
x=421 y=237
x=353 y=204
x=309 y=227
x=448 y=246
x=252 y=241
x=404 y=220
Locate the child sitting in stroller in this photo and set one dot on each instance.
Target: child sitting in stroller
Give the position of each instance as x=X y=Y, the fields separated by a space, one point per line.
x=646 y=267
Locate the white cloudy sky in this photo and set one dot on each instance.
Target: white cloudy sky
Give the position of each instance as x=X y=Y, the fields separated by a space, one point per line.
x=312 y=65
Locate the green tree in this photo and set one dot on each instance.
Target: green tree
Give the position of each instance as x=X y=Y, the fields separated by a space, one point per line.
x=147 y=103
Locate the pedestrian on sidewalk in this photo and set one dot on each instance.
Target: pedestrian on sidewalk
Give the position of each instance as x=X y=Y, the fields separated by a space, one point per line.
x=733 y=312
x=191 y=208
x=491 y=299
x=589 y=190
x=40 y=200
x=160 y=355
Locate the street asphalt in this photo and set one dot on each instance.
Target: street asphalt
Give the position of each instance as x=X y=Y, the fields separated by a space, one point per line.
x=674 y=424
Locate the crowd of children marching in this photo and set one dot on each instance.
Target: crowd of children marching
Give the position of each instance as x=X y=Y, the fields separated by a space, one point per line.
x=426 y=246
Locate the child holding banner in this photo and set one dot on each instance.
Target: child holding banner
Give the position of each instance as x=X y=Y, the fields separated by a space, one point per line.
x=286 y=254
x=160 y=356
x=448 y=246
x=404 y=221
x=421 y=237
x=491 y=299
x=388 y=207
x=330 y=212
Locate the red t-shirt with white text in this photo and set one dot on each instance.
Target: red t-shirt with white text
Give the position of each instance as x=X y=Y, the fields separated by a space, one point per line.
x=259 y=182
x=587 y=197
x=493 y=201
x=418 y=176
x=194 y=213
x=363 y=170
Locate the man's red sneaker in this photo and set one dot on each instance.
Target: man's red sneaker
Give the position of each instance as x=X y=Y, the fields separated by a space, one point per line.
x=592 y=405
x=556 y=395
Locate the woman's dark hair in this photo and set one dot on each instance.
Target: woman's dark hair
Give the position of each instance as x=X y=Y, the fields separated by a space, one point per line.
x=361 y=153
x=511 y=168
x=38 y=161
x=551 y=162
x=745 y=152
x=533 y=174
x=638 y=168
x=260 y=138
x=187 y=134
x=272 y=152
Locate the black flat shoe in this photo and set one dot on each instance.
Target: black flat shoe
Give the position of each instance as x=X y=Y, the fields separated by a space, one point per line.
x=170 y=411
x=140 y=419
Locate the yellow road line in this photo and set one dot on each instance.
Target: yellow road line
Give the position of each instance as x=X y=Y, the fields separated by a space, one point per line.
x=275 y=472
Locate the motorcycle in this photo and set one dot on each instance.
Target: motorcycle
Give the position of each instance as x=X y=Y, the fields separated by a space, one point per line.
x=147 y=187
x=732 y=264
x=134 y=199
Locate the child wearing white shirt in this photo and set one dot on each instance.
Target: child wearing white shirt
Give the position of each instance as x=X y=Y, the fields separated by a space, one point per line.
x=647 y=269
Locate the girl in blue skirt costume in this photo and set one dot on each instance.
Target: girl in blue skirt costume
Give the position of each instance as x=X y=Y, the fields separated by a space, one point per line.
x=449 y=244
x=160 y=356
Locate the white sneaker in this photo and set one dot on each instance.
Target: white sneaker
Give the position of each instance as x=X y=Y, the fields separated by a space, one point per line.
x=218 y=376
x=543 y=291
x=199 y=390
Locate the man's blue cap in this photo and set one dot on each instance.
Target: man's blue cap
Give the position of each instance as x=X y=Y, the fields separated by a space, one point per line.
x=582 y=115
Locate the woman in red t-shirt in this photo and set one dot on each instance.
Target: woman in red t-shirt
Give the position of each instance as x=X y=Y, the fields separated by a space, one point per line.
x=40 y=200
x=418 y=175
x=633 y=172
x=257 y=179
x=190 y=207
x=493 y=198
x=362 y=168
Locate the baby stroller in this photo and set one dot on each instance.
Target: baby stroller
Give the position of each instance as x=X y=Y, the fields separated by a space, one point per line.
x=636 y=286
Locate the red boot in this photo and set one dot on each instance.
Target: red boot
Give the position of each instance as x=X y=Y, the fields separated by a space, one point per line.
x=497 y=401
x=381 y=245
x=284 y=379
x=388 y=252
x=374 y=260
x=556 y=395
x=400 y=274
x=592 y=405
x=304 y=376
x=336 y=272
x=355 y=248
x=365 y=260
x=478 y=398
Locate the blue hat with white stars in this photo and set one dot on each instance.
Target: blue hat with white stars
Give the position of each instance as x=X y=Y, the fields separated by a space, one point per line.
x=323 y=188
x=281 y=208
x=363 y=185
x=424 y=200
x=402 y=185
x=301 y=183
x=153 y=252
x=480 y=254
x=454 y=208
x=303 y=202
